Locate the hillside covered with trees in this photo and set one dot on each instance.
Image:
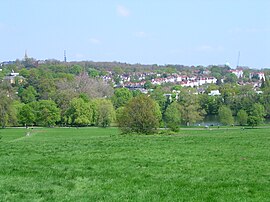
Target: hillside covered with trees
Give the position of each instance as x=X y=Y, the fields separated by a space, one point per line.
x=49 y=93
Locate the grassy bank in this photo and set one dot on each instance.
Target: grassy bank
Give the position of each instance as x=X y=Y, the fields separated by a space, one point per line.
x=92 y=164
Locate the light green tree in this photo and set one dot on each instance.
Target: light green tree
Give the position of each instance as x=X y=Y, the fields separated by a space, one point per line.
x=225 y=115
x=242 y=117
x=79 y=112
x=7 y=110
x=173 y=116
x=28 y=114
x=105 y=113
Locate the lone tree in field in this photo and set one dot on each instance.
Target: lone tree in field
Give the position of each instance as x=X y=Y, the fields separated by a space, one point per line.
x=140 y=115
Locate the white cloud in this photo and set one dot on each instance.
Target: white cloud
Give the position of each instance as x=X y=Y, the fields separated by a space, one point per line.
x=94 y=41
x=122 y=11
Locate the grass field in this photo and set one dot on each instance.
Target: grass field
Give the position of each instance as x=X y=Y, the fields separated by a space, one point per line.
x=92 y=164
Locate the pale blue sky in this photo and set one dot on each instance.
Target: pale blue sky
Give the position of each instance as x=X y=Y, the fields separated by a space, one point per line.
x=188 y=32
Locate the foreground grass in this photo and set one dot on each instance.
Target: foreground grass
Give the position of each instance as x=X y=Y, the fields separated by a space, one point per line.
x=90 y=164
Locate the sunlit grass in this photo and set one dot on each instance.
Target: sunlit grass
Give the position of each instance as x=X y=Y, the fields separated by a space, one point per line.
x=93 y=164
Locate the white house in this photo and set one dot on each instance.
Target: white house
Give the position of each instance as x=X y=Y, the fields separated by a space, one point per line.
x=214 y=93
x=260 y=75
x=238 y=73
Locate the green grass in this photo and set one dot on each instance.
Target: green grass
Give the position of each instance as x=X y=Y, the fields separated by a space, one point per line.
x=92 y=164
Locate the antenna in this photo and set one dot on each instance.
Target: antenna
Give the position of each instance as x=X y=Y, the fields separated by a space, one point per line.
x=65 y=56
x=25 y=55
x=238 y=59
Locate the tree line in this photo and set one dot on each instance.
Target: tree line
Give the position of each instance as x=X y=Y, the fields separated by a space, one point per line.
x=68 y=96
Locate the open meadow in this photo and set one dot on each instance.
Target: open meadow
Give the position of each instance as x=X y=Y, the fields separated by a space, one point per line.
x=94 y=164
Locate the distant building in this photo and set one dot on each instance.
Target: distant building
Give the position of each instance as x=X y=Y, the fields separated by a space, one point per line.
x=214 y=93
x=7 y=63
x=238 y=72
x=260 y=75
x=14 y=74
x=13 y=77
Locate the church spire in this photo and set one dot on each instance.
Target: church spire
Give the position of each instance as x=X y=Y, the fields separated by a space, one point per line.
x=25 y=55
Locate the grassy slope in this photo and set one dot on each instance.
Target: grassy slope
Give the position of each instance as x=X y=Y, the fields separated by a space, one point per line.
x=90 y=164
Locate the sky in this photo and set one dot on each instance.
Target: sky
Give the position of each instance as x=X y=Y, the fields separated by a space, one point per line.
x=185 y=32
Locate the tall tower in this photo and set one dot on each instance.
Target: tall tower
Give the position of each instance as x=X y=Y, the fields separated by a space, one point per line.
x=25 y=55
x=65 y=56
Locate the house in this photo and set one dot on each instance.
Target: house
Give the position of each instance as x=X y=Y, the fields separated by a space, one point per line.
x=237 y=72
x=13 y=77
x=7 y=63
x=260 y=75
x=214 y=93
x=14 y=74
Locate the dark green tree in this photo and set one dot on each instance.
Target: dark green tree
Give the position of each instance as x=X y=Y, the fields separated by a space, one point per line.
x=158 y=96
x=210 y=104
x=148 y=85
x=48 y=113
x=257 y=114
x=29 y=95
x=191 y=110
x=140 y=115
x=253 y=121
x=121 y=97
x=230 y=78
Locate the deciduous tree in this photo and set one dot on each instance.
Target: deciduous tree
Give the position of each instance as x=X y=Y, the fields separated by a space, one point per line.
x=191 y=110
x=105 y=113
x=173 y=116
x=48 y=113
x=28 y=95
x=79 y=113
x=225 y=115
x=140 y=115
x=121 y=97
x=28 y=114
x=257 y=115
x=242 y=117
x=7 y=110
